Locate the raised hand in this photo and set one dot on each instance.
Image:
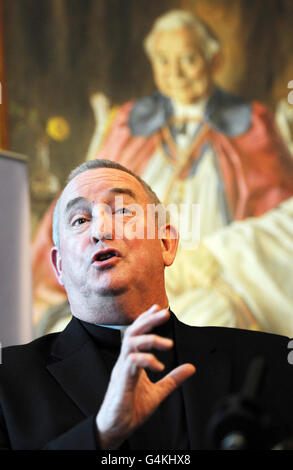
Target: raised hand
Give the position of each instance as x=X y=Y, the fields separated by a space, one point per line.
x=131 y=397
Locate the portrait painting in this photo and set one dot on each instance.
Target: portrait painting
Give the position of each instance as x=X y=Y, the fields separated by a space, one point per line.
x=192 y=95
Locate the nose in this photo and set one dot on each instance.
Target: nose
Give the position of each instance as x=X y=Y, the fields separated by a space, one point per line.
x=102 y=225
x=175 y=69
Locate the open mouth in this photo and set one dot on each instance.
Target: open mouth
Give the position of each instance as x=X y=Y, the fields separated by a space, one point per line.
x=105 y=255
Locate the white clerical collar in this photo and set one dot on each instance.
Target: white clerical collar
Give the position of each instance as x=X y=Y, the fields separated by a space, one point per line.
x=189 y=111
x=122 y=328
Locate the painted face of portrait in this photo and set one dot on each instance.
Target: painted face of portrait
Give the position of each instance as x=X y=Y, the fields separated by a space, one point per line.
x=180 y=69
x=104 y=251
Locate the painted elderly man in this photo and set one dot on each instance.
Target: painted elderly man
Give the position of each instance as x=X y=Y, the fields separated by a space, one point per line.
x=195 y=143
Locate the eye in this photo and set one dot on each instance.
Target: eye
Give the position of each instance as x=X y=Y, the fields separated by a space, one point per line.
x=188 y=59
x=79 y=221
x=123 y=210
x=162 y=60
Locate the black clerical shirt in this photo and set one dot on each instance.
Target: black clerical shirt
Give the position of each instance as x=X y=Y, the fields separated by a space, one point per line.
x=166 y=428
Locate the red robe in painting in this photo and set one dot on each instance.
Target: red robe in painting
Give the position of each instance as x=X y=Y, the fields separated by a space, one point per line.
x=255 y=165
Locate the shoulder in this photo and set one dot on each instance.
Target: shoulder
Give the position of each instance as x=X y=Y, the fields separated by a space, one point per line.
x=16 y=359
x=228 y=114
x=236 y=337
x=120 y=114
x=240 y=345
x=149 y=114
x=144 y=116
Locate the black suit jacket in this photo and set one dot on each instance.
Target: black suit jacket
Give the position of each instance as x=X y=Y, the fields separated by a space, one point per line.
x=52 y=388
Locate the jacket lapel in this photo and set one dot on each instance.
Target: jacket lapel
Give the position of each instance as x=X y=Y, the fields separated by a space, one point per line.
x=210 y=382
x=82 y=374
x=79 y=370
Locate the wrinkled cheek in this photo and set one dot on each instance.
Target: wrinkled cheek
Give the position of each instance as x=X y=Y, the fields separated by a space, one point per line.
x=162 y=81
x=197 y=72
x=199 y=85
x=131 y=231
x=73 y=256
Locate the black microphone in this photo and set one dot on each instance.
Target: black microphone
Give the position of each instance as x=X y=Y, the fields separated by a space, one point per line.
x=239 y=421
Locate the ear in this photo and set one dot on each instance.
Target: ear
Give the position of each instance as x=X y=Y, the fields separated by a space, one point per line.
x=57 y=264
x=169 y=238
x=216 y=62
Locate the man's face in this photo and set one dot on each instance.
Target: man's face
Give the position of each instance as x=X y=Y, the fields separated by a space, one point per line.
x=180 y=69
x=100 y=255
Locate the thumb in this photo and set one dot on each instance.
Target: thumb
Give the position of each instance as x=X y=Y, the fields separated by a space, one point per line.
x=175 y=378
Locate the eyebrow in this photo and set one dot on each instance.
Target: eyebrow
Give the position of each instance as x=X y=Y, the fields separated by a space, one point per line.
x=123 y=191
x=77 y=201
x=82 y=201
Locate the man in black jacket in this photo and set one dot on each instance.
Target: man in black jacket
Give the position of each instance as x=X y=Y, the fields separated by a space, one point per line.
x=87 y=387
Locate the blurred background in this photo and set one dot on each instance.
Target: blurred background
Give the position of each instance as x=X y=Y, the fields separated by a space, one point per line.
x=56 y=53
x=58 y=56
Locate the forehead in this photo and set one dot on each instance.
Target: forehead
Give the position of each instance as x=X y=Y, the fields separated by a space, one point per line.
x=96 y=184
x=177 y=39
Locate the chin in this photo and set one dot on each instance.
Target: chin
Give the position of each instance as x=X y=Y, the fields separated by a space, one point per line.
x=111 y=291
x=185 y=98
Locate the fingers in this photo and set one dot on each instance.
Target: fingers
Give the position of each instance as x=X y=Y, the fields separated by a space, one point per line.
x=135 y=357
x=136 y=361
x=175 y=378
x=147 y=321
x=147 y=342
x=181 y=373
x=136 y=343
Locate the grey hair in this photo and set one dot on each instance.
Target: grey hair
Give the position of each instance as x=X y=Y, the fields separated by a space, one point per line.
x=176 y=19
x=55 y=224
x=91 y=165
